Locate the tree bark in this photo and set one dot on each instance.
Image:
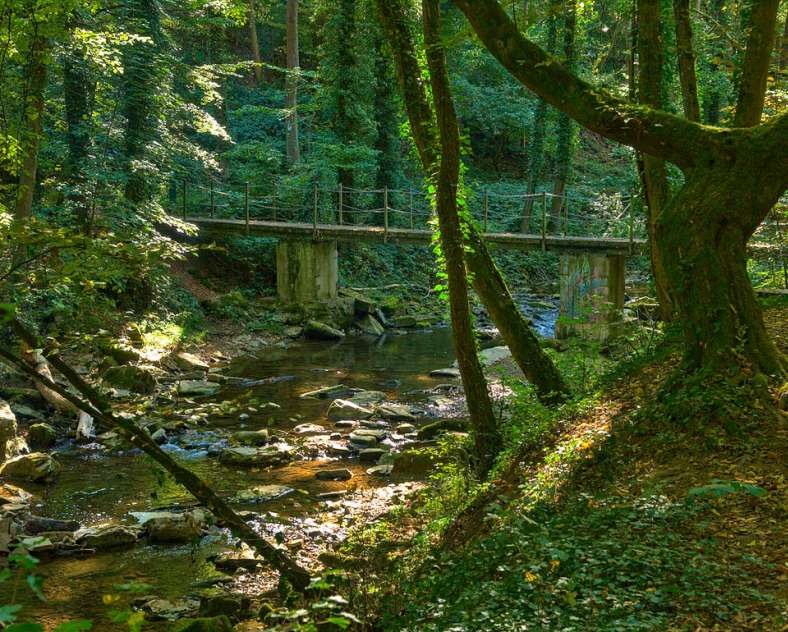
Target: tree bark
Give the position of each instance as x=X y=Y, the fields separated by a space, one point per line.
x=487 y=438
x=755 y=71
x=713 y=97
x=651 y=55
x=33 y=126
x=733 y=178
x=94 y=405
x=293 y=63
x=686 y=55
x=487 y=279
x=254 y=43
x=566 y=127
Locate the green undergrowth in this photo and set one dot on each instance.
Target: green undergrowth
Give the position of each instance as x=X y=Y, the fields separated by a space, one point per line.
x=608 y=514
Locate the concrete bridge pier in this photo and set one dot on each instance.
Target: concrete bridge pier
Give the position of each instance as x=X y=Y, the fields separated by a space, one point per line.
x=592 y=296
x=306 y=271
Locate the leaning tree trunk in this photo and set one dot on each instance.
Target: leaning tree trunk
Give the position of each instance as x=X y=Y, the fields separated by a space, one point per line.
x=487 y=438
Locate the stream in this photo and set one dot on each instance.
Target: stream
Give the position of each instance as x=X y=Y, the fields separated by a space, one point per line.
x=96 y=486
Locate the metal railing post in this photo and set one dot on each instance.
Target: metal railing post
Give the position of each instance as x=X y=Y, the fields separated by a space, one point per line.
x=544 y=221
x=385 y=213
x=314 y=206
x=341 y=203
x=486 y=209
x=213 y=201
x=246 y=206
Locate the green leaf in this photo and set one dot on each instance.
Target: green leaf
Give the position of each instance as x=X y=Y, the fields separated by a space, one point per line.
x=340 y=622
x=8 y=612
x=36 y=583
x=25 y=627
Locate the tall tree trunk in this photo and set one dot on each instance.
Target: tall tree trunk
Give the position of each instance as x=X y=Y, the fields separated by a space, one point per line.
x=78 y=89
x=783 y=61
x=655 y=176
x=293 y=63
x=686 y=55
x=732 y=179
x=752 y=86
x=33 y=125
x=254 y=43
x=536 y=148
x=487 y=280
x=487 y=438
x=566 y=127
x=140 y=79
x=713 y=94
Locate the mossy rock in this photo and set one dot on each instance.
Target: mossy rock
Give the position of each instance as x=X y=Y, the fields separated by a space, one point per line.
x=41 y=436
x=204 y=624
x=131 y=378
x=430 y=431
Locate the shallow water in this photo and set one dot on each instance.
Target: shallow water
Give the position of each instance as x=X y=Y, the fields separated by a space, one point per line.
x=95 y=487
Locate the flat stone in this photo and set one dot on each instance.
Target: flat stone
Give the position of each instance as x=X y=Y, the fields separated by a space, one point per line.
x=371 y=455
x=342 y=474
x=346 y=423
x=406 y=428
x=448 y=372
x=186 y=362
x=321 y=331
x=365 y=398
x=39 y=524
x=106 y=536
x=262 y=494
x=378 y=433
x=309 y=429
x=256 y=457
x=338 y=449
x=34 y=467
x=330 y=392
x=394 y=412
x=384 y=469
x=168 y=526
x=197 y=387
x=363 y=441
x=346 y=409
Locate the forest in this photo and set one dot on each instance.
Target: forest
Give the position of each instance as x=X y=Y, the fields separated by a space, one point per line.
x=393 y=315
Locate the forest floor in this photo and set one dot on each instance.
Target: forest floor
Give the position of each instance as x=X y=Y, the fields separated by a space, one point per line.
x=619 y=518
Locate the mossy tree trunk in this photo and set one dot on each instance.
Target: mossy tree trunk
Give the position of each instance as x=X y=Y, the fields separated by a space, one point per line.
x=487 y=280
x=487 y=439
x=733 y=177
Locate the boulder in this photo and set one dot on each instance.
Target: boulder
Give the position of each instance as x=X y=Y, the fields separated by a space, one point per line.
x=198 y=387
x=341 y=474
x=167 y=526
x=430 y=431
x=131 y=378
x=256 y=457
x=10 y=444
x=378 y=433
x=346 y=423
x=166 y=610
x=217 y=604
x=449 y=372
x=406 y=428
x=412 y=463
x=371 y=455
x=346 y=409
x=39 y=524
x=230 y=561
x=491 y=356
x=362 y=441
x=262 y=494
x=34 y=467
x=368 y=324
x=321 y=331
x=394 y=412
x=186 y=362
x=252 y=437
x=106 y=536
x=204 y=624
x=403 y=321
x=338 y=449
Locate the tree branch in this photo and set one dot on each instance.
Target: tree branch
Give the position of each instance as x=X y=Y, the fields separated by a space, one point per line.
x=652 y=131
x=752 y=87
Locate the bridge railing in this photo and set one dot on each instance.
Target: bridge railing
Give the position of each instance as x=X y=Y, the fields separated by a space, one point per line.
x=540 y=213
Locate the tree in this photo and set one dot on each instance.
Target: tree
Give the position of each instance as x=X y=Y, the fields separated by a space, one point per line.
x=486 y=278
x=293 y=64
x=733 y=177
x=486 y=435
x=254 y=43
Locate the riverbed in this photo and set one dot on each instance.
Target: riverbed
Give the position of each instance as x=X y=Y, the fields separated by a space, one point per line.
x=96 y=486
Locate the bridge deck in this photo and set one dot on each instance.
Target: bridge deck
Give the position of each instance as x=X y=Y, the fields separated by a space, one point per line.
x=348 y=232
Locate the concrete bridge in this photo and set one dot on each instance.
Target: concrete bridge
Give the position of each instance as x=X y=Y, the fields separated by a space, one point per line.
x=309 y=222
